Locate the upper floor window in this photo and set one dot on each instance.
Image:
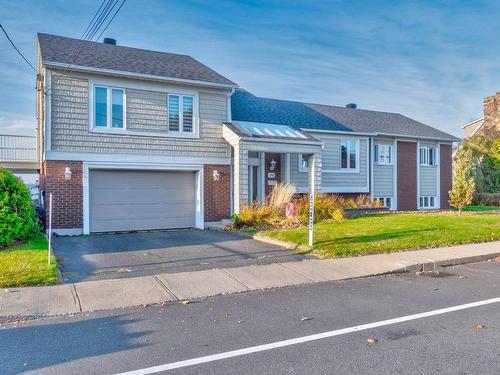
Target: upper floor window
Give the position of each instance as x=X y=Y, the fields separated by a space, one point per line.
x=383 y=154
x=427 y=156
x=180 y=113
x=349 y=154
x=109 y=108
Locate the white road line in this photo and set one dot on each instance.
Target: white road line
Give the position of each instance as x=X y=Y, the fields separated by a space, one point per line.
x=303 y=339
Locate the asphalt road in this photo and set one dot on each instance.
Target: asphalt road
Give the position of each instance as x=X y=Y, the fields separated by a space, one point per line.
x=457 y=342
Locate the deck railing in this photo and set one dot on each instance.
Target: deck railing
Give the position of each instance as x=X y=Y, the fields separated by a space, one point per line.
x=18 y=148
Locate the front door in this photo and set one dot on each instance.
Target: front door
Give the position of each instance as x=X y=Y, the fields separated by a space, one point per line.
x=253 y=183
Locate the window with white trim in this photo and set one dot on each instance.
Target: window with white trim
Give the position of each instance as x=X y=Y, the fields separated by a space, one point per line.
x=349 y=154
x=109 y=107
x=427 y=156
x=303 y=161
x=427 y=201
x=386 y=201
x=383 y=154
x=180 y=113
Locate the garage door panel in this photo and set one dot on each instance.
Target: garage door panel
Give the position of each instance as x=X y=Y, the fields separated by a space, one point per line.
x=140 y=200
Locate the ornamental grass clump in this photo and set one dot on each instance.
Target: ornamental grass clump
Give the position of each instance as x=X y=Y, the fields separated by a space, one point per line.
x=17 y=215
x=326 y=208
x=280 y=195
x=257 y=216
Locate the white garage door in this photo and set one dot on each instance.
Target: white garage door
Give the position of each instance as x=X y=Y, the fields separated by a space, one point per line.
x=139 y=200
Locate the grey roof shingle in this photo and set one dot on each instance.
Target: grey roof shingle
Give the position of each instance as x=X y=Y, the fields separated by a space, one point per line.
x=72 y=51
x=248 y=107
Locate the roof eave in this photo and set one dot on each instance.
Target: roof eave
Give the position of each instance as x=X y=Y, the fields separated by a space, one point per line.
x=374 y=134
x=122 y=73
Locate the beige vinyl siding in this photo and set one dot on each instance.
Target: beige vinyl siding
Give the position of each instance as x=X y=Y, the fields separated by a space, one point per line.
x=382 y=180
x=331 y=177
x=146 y=111
x=383 y=174
x=428 y=176
x=70 y=127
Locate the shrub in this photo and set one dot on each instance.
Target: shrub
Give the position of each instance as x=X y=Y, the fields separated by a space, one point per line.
x=256 y=216
x=17 y=214
x=280 y=195
x=463 y=182
x=326 y=207
x=486 y=199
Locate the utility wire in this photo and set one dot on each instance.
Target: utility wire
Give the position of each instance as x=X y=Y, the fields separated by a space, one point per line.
x=104 y=15
x=17 y=50
x=90 y=24
x=111 y=20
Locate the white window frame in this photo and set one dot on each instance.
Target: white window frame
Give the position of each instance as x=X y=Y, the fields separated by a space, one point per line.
x=109 y=108
x=377 y=152
x=181 y=114
x=300 y=163
x=383 y=200
x=426 y=156
x=349 y=169
x=143 y=86
x=423 y=199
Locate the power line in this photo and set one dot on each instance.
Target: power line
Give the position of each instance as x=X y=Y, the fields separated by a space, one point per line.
x=111 y=20
x=90 y=23
x=102 y=18
x=17 y=50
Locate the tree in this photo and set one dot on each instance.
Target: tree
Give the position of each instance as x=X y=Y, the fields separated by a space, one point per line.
x=463 y=181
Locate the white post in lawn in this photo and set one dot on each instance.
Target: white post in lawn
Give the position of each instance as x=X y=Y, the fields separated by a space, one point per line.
x=312 y=174
x=50 y=228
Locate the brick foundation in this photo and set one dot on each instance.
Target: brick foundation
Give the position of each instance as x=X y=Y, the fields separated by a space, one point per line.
x=67 y=195
x=217 y=194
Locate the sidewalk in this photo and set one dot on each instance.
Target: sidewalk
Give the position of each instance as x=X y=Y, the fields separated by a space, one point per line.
x=170 y=287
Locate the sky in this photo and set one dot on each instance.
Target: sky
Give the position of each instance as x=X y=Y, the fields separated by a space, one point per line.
x=433 y=61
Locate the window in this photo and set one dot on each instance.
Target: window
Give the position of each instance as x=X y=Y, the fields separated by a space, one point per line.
x=303 y=163
x=427 y=202
x=109 y=108
x=180 y=113
x=427 y=156
x=349 y=154
x=386 y=201
x=383 y=154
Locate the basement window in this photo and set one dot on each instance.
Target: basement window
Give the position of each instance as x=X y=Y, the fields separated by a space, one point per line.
x=427 y=202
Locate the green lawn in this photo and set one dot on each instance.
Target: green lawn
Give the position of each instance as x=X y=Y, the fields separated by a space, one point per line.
x=482 y=208
x=26 y=264
x=391 y=232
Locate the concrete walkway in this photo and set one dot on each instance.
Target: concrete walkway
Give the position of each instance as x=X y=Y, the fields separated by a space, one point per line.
x=170 y=287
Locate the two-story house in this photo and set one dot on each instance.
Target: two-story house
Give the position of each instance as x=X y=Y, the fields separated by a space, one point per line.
x=134 y=139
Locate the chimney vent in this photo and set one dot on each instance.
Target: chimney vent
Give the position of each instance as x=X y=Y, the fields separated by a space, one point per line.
x=351 y=105
x=109 y=41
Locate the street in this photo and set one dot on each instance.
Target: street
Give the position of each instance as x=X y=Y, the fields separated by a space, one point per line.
x=460 y=340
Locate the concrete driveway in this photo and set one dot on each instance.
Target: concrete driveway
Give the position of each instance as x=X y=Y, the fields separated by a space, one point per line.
x=109 y=256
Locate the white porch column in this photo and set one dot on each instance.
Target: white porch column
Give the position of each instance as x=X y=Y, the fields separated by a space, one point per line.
x=240 y=179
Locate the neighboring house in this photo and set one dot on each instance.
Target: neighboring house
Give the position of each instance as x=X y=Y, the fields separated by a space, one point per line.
x=471 y=128
x=489 y=124
x=135 y=139
x=18 y=153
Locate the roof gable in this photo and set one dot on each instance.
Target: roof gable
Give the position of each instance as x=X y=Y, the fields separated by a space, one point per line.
x=77 y=52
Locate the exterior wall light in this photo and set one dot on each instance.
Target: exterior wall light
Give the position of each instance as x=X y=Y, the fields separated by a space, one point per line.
x=272 y=165
x=67 y=173
x=216 y=175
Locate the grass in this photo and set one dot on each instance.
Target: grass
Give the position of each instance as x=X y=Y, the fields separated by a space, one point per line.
x=482 y=208
x=26 y=264
x=392 y=232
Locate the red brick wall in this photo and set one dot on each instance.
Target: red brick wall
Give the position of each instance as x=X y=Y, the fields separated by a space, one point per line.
x=445 y=160
x=407 y=176
x=217 y=194
x=277 y=170
x=67 y=195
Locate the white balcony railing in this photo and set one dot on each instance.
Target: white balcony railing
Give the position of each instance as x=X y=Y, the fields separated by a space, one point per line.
x=16 y=148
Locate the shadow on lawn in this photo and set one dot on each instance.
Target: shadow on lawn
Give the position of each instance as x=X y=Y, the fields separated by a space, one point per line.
x=370 y=238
